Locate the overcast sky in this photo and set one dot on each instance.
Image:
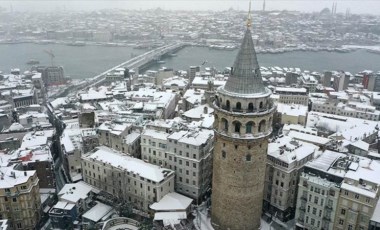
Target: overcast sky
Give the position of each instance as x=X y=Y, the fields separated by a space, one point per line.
x=356 y=6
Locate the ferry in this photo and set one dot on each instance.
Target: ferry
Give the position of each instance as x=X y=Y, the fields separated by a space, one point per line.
x=33 y=62
x=76 y=43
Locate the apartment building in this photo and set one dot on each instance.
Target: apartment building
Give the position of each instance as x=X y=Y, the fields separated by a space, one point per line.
x=318 y=191
x=292 y=95
x=188 y=153
x=359 y=194
x=20 y=200
x=126 y=178
x=285 y=160
x=112 y=134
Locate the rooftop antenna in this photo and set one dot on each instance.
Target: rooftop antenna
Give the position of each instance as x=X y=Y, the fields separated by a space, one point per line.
x=249 y=19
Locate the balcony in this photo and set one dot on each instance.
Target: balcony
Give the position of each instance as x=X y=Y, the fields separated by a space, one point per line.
x=328 y=207
x=302 y=208
x=303 y=198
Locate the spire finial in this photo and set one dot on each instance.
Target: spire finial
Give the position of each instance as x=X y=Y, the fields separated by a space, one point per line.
x=249 y=19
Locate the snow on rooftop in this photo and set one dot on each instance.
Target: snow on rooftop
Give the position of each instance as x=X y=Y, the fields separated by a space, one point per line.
x=309 y=138
x=63 y=205
x=292 y=110
x=11 y=177
x=172 y=202
x=37 y=138
x=133 y=165
x=288 y=150
x=155 y=134
x=193 y=137
x=72 y=193
x=97 y=212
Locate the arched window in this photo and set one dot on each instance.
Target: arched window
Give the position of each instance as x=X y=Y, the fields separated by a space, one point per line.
x=248 y=127
x=238 y=106
x=224 y=154
x=225 y=124
x=262 y=126
x=228 y=105
x=248 y=157
x=250 y=107
x=261 y=105
x=237 y=126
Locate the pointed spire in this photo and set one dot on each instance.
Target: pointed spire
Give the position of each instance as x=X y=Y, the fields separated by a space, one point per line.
x=249 y=18
x=245 y=75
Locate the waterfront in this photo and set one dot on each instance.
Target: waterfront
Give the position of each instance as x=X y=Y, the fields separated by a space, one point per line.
x=88 y=61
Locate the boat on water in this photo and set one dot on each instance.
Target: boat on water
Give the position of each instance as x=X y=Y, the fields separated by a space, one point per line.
x=173 y=55
x=160 y=62
x=77 y=43
x=33 y=62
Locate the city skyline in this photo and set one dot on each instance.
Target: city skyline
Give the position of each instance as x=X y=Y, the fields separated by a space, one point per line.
x=356 y=7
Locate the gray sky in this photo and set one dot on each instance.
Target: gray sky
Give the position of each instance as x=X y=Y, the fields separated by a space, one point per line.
x=356 y=6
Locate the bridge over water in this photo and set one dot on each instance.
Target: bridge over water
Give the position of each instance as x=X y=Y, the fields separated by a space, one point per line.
x=136 y=63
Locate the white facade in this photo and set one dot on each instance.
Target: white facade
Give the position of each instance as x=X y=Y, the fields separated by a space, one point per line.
x=129 y=179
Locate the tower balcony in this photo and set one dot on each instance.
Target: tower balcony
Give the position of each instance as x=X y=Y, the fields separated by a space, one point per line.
x=248 y=112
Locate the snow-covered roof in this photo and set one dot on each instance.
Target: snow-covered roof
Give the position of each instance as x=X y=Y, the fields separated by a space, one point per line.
x=288 y=150
x=172 y=202
x=133 y=165
x=97 y=212
x=37 y=138
x=155 y=134
x=11 y=177
x=72 y=193
x=193 y=137
x=292 y=110
x=63 y=205
x=198 y=112
x=309 y=138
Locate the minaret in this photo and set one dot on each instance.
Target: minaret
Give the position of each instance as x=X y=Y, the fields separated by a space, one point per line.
x=243 y=123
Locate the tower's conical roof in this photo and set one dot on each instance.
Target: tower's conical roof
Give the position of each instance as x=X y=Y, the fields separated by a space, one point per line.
x=245 y=76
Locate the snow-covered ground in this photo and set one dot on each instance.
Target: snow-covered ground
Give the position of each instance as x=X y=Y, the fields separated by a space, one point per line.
x=203 y=222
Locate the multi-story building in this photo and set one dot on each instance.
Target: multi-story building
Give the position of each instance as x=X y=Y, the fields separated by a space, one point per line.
x=39 y=159
x=291 y=78
x=285 y=160
x=20 y=198
x=293 y=95
x=341 y=81
x=243 y=123
x=318 y=191
x=112 y=134
x=355 y=178
x=52 y=75
x=189 y=153
x=359 y=194
x=126 y=178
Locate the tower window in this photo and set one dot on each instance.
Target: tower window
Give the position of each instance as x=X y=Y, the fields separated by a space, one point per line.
x=261 y=105
x=224 y=154
x=237 y=127
x=248 y=157
x=248 y=127
x=250 y=107
x=238 y=106
x=227 y=105
x=262 y=126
